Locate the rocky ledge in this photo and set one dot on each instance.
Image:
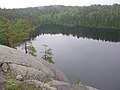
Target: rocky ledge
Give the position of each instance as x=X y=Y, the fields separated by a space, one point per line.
x=25 y=72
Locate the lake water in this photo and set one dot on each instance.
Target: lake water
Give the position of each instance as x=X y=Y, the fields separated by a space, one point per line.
x=89 y=54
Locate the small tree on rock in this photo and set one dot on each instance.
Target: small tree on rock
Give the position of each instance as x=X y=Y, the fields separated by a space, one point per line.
x=48 y=55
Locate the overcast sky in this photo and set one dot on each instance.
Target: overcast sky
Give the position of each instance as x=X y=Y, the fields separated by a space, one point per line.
x=33 y=3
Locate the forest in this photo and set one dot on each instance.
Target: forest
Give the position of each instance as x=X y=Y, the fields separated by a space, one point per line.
x=97 y=16
x=16 y=25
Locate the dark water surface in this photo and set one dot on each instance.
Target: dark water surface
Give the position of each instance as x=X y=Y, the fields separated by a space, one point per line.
x=89 y=54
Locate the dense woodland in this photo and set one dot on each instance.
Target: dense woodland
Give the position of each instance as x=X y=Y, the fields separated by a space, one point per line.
x=99 y=16
x=16 y=24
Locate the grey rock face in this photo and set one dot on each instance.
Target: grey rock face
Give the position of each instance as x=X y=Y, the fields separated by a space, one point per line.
x=29 y=69
x=44 y=86
x=19 y=77
x=2 y=79
x=66 y=86
x=28 y=66
x=4 y=67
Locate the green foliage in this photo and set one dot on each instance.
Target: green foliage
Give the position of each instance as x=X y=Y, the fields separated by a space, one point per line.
x=13 y=84
x=78 y=82
x=92 y=16
x=13 y=33
x=22 y=29
x=31 y=50
x=48 y=56
x=6 y=33
x=3 y=42
x=99 y=16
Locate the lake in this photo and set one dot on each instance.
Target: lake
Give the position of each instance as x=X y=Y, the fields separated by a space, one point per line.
x=93 y=55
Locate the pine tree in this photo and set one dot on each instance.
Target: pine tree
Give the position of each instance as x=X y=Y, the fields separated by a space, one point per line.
x=6 y=32
x=22 y=30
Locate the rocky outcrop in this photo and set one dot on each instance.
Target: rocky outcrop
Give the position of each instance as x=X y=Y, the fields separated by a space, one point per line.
x=28 y=69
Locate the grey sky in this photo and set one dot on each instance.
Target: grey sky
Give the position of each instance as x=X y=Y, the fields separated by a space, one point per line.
x=33 y=3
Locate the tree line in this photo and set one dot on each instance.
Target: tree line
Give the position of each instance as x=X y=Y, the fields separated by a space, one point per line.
x=98 y=16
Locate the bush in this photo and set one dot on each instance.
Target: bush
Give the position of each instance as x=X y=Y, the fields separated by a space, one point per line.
x=13 y=84
x=78 y=82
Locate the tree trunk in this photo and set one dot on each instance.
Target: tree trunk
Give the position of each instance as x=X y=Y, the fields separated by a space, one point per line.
x=25 y=47
x=9 y=38
x=10 y=43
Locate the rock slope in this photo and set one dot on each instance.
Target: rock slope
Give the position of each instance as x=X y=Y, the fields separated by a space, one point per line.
x=26 y=68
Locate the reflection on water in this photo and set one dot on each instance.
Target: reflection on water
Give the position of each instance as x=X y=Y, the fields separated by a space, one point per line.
x=93 y=33
x=84 y=53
